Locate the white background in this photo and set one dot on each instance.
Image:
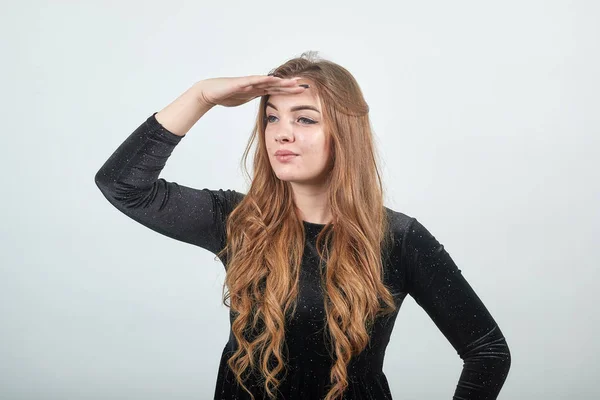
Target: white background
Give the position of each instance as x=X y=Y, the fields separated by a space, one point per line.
x=487 y=123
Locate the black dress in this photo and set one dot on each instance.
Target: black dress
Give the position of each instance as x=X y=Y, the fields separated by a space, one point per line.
x=417 y=264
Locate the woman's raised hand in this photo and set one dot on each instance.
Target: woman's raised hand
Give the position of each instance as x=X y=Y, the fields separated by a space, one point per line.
x=232 y=92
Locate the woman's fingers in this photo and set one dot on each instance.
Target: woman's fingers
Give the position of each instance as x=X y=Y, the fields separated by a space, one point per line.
x=265 y=81
x=278 y=90
x=282 y=83
x=264 y=85
x=258 y=79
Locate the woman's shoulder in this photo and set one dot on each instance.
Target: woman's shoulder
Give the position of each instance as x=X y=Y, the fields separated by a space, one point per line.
x=406 y=227
x=399 y=222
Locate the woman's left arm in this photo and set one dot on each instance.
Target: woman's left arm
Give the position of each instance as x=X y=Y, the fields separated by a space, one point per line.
x=438 y=286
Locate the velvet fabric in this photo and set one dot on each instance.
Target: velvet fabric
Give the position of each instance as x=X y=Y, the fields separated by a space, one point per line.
x=416 y=264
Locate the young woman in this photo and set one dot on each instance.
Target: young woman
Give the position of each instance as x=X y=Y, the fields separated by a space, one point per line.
x=316 y=266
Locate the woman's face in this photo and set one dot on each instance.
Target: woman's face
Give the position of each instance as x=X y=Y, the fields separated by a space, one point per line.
x=294 y=122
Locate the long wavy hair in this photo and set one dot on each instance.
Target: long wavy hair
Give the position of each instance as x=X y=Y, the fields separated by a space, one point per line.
x=265 y=238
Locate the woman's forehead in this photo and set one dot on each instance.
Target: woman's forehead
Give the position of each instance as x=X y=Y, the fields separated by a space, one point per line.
x=290 y=102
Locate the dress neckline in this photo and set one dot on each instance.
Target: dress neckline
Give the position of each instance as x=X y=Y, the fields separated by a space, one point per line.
x=312 y=224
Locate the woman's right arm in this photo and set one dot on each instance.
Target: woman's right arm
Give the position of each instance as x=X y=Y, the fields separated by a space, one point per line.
x=179 y=116
x=130 y=181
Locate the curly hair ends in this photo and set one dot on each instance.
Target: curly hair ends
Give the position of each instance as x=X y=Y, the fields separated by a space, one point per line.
x=265 y=238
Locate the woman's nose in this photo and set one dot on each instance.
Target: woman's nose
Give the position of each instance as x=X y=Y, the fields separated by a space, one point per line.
x=285 y=131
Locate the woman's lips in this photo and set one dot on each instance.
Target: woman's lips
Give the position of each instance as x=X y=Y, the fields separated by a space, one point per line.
x=286 y=157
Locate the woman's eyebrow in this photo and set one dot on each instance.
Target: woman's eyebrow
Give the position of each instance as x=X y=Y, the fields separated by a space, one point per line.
x=296 y=108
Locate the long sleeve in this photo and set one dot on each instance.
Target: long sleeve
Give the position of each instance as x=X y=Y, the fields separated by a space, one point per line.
x=130 y=181
x=438 y=286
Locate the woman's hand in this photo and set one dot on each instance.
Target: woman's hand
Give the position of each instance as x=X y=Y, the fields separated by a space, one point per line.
x=232 y=92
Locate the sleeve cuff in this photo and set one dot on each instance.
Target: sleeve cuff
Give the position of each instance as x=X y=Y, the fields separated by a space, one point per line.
x=157 y=128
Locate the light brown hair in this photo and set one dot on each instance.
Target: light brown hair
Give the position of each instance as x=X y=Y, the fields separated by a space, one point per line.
x=265 y=238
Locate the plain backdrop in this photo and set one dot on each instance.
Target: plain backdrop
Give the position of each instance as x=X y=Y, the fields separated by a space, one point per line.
x=487 y=121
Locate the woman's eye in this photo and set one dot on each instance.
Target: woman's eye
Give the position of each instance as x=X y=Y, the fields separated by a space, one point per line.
x=307 y=120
